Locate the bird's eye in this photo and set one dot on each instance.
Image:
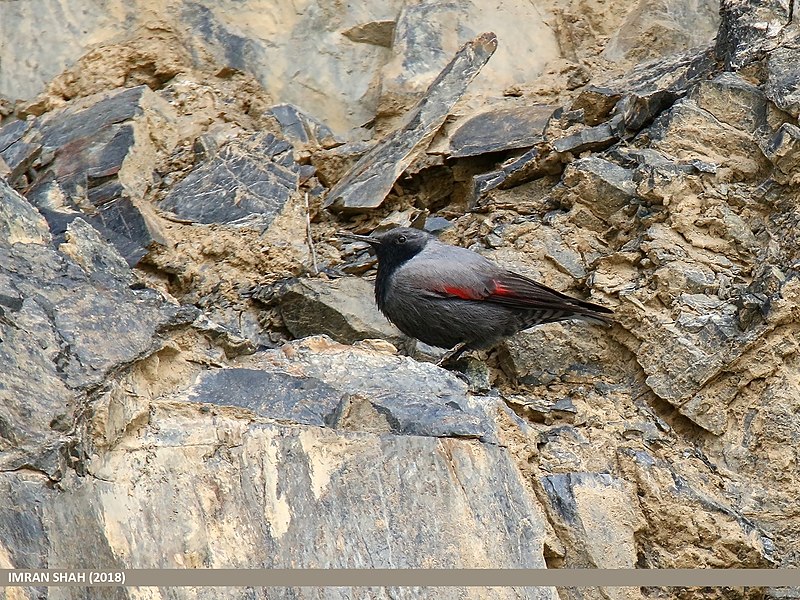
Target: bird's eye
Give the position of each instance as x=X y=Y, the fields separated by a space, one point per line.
x=401 y=239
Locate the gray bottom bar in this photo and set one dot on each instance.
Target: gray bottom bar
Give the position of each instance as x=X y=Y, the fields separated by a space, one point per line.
x=405 y=577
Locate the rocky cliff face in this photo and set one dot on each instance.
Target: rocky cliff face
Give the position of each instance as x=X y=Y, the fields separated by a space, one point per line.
x=192 y=372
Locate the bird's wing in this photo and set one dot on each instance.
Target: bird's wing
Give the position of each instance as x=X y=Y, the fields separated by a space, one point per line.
x=517 y=291
x=450 y=271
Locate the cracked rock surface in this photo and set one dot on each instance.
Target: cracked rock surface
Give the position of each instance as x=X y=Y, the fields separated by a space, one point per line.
x=193 y=372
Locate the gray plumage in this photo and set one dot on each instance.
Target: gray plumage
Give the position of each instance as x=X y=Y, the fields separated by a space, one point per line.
x=445 y=295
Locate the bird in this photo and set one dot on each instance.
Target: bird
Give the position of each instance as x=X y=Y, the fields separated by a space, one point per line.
x=453 y=298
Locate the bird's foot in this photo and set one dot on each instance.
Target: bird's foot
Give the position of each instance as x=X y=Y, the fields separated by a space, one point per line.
x=452 y=355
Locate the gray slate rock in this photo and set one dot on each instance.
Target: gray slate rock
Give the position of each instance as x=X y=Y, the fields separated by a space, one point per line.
x=21 y=526
x=652 y=87
x=302 y=128
x=501 y=129
x=19 y=157
x=387 y=393
x=516 y=170
x=271 y=394
x=783 y=77
x=249 y=180
x=69 y=126
x=372 y=177
x=85 y=145
x=742 y=37
x=594 y=138
x=12 y=132
x=67 y=319
x=343 y=309
x=783 y=151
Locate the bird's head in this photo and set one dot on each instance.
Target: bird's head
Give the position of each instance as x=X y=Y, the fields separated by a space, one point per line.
x=396 y=246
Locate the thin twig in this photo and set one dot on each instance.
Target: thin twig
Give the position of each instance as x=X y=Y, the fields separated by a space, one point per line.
x=310 y=240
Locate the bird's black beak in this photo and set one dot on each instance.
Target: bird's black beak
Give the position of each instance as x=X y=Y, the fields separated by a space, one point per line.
x=367 y=239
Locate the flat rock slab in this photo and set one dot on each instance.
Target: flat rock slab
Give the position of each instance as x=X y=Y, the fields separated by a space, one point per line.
x=387 y=392
x=272 y=394
x=594 y=138
x=501 y=129
x=248 y=180
x=272 y=496
x=372 y=177
x=343 y=309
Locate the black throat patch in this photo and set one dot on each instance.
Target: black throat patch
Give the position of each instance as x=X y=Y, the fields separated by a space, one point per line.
x=392 y=256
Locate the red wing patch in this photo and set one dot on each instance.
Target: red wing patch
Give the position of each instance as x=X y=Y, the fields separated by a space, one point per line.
x=460 y=292
x=501 y=290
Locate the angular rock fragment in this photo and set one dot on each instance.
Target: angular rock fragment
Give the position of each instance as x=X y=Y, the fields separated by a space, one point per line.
x=681 y=514
x=482 y=183
x=19 y=221
x=662 y=28
x=377 y=33
x=501 y=129
x=250 y=179
x=343 y=309
x=783 y=77
x=436 y=225
x=516 y=170
x=372 y=177
x=428 y=32
x=13 y=132
x=23 y=533
x=654 y=86
x=83 y=150
x=598 y=515
x=688 y=132
x=19 y=157
x=558 y=352
x=600 y=184
x=733 y=101
x=83 y=122
x=743 y=32
x=594 y=138
x=302 y=128
x=682 y=359
x=783 y=151
x=596 y=103
x=333 y=163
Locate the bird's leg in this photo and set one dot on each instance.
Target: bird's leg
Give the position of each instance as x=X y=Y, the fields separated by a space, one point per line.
x=452 y=354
